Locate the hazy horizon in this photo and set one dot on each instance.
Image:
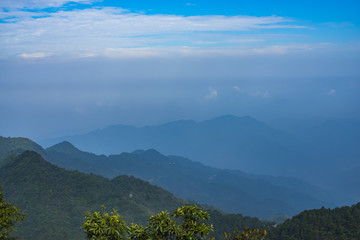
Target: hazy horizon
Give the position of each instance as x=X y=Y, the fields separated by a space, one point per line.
x=74 y=66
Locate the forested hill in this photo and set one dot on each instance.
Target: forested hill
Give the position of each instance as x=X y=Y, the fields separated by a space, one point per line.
x=56 y=200
x=251 y=195
x=323 y=224
x=247 y=194
x=17 y=145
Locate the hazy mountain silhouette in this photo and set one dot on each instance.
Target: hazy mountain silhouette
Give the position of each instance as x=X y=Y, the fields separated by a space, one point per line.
x=323 y=152
x=224 y=142
x=335 y=147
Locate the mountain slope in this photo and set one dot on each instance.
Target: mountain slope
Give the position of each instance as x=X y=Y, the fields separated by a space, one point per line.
x=334 y=143
x=228 y=190
x=231 y=191
x=10 y=147
x=56 y=200
x=329 y=224
x=225 y=142
x=303 y=150
x=17 y=145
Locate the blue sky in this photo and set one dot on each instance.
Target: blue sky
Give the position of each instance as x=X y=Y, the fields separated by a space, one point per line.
x=88 y=28
x=70 y=65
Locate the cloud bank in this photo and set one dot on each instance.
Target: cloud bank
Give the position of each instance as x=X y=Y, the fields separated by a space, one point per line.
x=38 y=4
x=116 y=32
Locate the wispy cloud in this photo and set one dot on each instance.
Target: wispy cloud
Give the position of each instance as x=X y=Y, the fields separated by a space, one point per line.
x=103 y=30
x=133 y=52
x=238 y=89
x=260 y=94
x=39 y=4
x=211 y=95
x=331 y=92
x=282 y=49
x=33 y=55
x=252 y=93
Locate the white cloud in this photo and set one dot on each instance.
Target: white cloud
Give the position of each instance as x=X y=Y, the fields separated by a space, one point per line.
x=87 y=55
x=102 y=30
x=282 y=49
x=33 y=55
x=211 y=95
x=39 y=4
x=238 y=89
x=132 y=52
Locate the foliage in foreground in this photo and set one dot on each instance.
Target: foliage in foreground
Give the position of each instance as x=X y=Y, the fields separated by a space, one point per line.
x=185 y=223
x=9 y=215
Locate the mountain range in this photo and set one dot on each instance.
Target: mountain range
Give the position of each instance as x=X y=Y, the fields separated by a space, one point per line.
x=325 y=152
x=224 y=142
x=229 y=190
x=56 y=200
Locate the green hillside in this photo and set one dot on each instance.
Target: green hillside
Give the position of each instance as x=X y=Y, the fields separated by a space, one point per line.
x=237 y=192
x=321 y=224
x=17 y=145
x=56 y=200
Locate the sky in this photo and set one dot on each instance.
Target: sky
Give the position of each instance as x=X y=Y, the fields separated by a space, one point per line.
x=68 y=67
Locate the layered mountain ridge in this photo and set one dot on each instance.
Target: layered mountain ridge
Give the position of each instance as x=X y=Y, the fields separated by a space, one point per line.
x=231 y=191
x=324 y=153
x=226 y=142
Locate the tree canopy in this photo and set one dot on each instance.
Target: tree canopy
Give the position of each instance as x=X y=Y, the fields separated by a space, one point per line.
x=329 y=224
x=9 y=215
x=185 y=223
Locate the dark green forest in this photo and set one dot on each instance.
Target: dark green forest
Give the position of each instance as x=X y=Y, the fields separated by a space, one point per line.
x=330 y=224
x=56 y=200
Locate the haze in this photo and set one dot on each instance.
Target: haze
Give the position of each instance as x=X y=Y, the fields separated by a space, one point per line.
x=67 y=67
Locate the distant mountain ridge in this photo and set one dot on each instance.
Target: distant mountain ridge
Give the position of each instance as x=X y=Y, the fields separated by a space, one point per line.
x=224 y=142
x=232 y=191
x=302 y=149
